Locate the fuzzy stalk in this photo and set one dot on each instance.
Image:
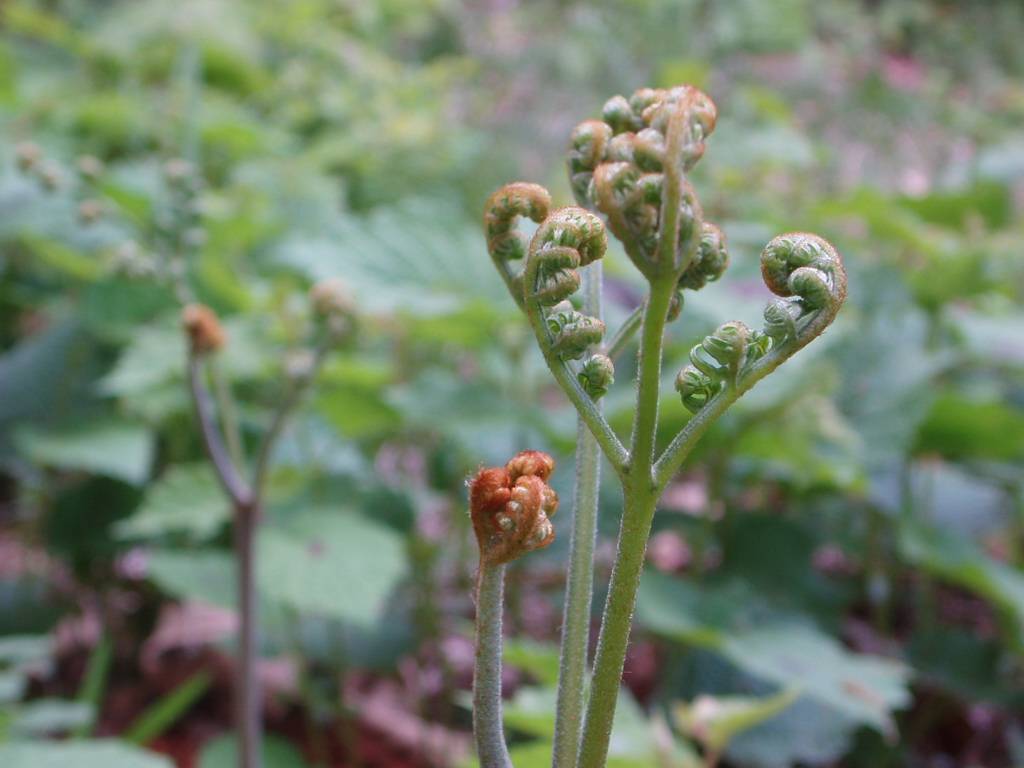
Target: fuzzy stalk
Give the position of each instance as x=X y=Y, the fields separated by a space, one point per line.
x=638 y=512
x=488 y=729
x=572 y=670
x=247 y=695
x=640 y=500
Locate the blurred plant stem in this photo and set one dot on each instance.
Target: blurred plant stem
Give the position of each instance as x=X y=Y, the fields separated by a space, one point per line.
x=246 y=499
x=580 y=580
x=487 y=710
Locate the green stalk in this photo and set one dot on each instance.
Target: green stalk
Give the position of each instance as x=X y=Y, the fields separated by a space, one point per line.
x=637 y=515
x=94 y=683
x=167 y=710
x=487 y=710
x=572 y=669
x=640 y=500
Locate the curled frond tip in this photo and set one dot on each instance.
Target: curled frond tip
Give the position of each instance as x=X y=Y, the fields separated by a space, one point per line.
x=510 y=507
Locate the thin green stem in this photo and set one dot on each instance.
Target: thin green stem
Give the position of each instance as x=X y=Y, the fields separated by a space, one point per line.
x=645 y=419
x=580 y=580
x=625 y=334
x=677 y=451
x=228 y=414
x=291 y=398
x=225 y=468
x=247 y=695
x=637 y=515
x=488 y=727
x=640 y=500
x=588 y=411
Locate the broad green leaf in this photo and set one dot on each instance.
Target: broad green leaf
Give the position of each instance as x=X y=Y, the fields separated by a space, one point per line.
x=115 y=449
x=985 y=200
x=222 y=752
x=715 y=721
x=774 y=647
x=959 y=562
x=62 y=258
x=206 y=575
x=969 y=666
x=80 y=754
x=959 y=427
x=35 y=375
x=349 y=565
x=865 y=688
x=886 y=371
x=531 y=712
x=805 y=733
x=12 y=687
x=186 y=499
x=155 y=355
x=539 y=660
x=634 y=741
x=16 y=650
x=420 y=257
x=50 y=717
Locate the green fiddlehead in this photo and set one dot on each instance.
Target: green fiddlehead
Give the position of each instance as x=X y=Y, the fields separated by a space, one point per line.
x=807 y=273
x=505 y=243
x=630 y=162
x=566 y=240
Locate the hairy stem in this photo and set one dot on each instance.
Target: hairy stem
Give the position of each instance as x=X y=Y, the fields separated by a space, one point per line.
x=246 y=507
x=677 y=451
x=223 y=466
x=640 y=499
x=637 y=515
x=645 y=420
x=247 y=695
x=580 y=580
x=291 y=399
x=488 y=728
x=228 y=415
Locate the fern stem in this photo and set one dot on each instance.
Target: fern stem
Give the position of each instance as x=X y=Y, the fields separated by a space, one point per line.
x=640 y=499
x=580 y=580
x=488 y=727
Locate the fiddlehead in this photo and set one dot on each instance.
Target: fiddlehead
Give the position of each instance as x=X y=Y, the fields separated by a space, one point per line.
x=710 y=261
x=505 y=243
x=807 y=273
x=629 y=163
x=510 y=507
x=203 y=329
x=567 y=239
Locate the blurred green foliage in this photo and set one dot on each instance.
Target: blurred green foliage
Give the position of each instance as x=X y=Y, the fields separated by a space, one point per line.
x=883 y=516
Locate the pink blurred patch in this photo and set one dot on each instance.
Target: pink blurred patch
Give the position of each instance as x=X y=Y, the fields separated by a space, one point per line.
x=903 y=73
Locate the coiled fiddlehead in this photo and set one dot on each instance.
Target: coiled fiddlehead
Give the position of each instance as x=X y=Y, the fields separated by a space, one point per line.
x=807 y=273
x=567 y=239
x=505 y=243
x=510 y=507
x=717 y=361
x=626 y=164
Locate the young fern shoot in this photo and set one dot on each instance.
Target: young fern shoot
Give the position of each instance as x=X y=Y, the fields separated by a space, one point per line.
x=510 y=508
x=628 y=172
x=332 y=308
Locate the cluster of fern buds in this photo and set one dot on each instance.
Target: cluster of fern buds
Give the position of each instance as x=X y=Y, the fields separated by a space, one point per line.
x=808 y=276
x=511 y=506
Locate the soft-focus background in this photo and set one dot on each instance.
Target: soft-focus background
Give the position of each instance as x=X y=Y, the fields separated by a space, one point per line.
x=866 y=502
